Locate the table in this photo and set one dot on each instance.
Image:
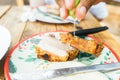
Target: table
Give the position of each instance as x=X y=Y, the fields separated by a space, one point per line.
x=10 y=18
x=20 y=2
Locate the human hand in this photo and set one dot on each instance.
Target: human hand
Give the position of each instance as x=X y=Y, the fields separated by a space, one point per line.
x=81 y=9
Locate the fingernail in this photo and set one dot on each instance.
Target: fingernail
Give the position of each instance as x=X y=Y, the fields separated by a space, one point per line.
x=63 y=13
x=69 y=4
x=81 y=12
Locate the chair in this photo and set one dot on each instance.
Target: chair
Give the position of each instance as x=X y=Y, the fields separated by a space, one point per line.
x=20 y=3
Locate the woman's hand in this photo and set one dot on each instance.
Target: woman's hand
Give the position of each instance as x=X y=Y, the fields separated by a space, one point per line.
x=80 y=10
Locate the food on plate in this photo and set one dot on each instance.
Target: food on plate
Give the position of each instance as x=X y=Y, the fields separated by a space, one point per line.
x=88 y=46
x=66 y=48
x=52 y=49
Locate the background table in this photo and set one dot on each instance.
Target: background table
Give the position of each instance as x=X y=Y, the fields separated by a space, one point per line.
x=10 y=18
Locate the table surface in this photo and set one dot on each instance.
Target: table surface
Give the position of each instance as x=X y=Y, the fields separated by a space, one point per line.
x=10 y=18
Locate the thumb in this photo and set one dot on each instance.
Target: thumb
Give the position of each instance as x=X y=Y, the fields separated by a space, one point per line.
x=83 y=7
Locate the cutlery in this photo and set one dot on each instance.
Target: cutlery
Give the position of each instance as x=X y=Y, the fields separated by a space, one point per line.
x=54 y=73
x=89 y=31
x=79 y=32
x=58 y=17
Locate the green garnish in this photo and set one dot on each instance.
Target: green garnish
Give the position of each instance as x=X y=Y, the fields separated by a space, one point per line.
x=76 y=3
x=72 y=12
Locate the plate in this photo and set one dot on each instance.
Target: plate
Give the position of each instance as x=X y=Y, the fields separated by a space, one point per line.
x=43 y=16
x=5 y=39
x=22 y=60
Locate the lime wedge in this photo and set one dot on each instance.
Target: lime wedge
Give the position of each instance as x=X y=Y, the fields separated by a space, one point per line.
x=72 y=12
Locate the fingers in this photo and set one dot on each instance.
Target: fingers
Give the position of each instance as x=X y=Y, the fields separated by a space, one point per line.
x=80 y=12
x=69 y=4
x=83 y=7
x=63 y=12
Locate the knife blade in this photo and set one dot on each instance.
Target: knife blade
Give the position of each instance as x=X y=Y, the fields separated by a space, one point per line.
x=54 y=73
x=89 y=31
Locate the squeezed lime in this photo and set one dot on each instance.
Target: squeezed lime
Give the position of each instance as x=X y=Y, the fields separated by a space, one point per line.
x=72 y=12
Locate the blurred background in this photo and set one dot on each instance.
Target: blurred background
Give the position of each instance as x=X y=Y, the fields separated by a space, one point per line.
x=112 y=20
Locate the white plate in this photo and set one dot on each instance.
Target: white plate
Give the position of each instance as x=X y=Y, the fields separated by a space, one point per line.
x=24 y=64
x=47 y=18
x=5 y=39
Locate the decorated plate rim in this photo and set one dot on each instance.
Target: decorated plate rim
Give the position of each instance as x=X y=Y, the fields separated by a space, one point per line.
x=6 y=68
x=48 y=21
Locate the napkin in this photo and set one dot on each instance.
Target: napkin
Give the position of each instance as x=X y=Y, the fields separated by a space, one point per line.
x=99 y=10
x=5 y=39
x=28 y=14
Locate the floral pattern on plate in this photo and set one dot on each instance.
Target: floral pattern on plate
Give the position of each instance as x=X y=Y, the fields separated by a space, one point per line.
x=24 y=53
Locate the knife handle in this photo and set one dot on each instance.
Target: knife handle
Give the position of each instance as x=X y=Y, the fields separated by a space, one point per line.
x=89 y=31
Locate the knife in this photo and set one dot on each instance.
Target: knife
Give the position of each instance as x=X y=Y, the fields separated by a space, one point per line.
x=54 y=73
x=79 y=32
x=89 y=31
